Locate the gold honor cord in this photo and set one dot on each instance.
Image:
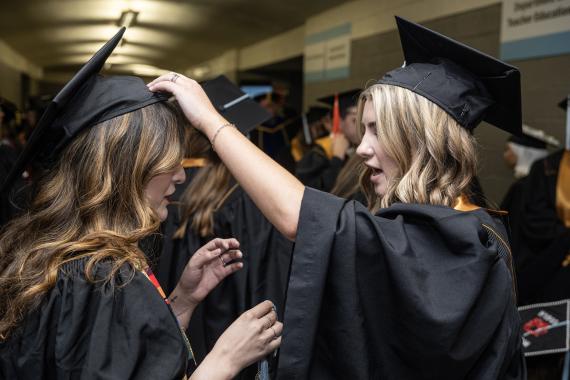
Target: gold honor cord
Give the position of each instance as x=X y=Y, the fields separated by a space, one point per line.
x=462 y=204
x=194 y=163
x=563 y=189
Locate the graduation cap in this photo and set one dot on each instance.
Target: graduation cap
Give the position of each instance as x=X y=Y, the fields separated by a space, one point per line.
x=346 y=100
x=86 y=100
x=234 y=104
x=468 y=84
x=315 y=113
x=534 y=138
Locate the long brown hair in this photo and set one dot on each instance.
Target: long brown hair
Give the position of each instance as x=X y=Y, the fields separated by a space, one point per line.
x=436 y=158
x=90 y=205
x=208 y=190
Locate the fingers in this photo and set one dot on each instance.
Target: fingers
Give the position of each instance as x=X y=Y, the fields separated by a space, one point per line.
x=164 y=86
x=232 y=255
x=269 y=319
x=223 y=244
x=169 y=77
x=273 y=345
x=273 y=332
x=261 y=309
x=232 y=268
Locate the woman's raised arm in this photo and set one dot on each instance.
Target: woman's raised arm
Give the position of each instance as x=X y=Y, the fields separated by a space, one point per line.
x=274 y=190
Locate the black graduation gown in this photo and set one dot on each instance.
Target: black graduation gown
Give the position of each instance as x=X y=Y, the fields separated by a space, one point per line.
x=540 y=239
x=315 y=169
x=267 y=255
x=512 y=204
x=87 y=331
x=415 y=292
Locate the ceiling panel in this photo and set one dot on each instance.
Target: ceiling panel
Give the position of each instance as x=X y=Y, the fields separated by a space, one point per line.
x=58 y=35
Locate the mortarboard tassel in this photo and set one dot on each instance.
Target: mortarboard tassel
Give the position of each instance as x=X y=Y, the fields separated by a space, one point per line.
x=336 y=116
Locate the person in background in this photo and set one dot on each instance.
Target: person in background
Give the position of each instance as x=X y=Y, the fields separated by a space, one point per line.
x=347 y=181
x=211 y=204
x=319 y=154
x=541 y=241
x=519 y=155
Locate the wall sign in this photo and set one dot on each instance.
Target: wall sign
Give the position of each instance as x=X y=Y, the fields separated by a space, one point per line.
x=535 y=28
x=327 y=54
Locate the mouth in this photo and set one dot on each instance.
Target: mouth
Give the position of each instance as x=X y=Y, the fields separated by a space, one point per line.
x=167 y=197
x=375 y=171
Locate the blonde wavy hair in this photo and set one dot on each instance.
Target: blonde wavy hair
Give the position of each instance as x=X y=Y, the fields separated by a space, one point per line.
x=436 y=158
x=91 y=205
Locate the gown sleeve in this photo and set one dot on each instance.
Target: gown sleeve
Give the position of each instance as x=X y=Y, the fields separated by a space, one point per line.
x=97 y=331
x=417 y=292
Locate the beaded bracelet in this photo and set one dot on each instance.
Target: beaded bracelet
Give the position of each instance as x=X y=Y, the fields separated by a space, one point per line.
x=218 y=131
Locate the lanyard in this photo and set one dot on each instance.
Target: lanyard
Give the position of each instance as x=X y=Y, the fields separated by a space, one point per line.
x=148 y=273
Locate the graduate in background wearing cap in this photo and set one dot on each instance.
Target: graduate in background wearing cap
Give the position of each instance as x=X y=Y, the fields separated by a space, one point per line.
x=411 y=288
x=274 y=136
x=347 y=182
x=543 y=230
x=77 y=298
x=211 y=204
x=319 y=153
x=540 y=229
x=519 y=155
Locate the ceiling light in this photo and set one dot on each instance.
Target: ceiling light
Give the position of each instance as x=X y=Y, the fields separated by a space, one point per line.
x=128 y=18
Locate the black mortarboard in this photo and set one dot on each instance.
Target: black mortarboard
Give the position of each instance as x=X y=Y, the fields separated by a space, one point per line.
x=86 y=100
x=346 y=100
x=534 y=138
x=234 y=104
x=315 y=113
x=468 y=84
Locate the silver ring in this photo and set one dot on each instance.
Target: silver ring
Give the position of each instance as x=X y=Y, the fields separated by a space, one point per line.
x=174 y=77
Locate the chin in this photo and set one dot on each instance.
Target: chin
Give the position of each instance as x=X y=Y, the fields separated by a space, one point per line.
x=162 y=213
x=380 y=190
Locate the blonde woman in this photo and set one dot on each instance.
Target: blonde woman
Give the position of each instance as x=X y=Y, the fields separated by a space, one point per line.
x=419 y=286
x=77 y=297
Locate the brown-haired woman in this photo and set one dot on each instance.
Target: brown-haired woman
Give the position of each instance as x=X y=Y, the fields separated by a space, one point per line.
x=211 y=205
x=77 y=299
x=418 y=287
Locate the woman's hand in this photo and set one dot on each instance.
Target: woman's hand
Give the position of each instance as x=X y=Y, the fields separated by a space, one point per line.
x=205 y=270
x=255 y=334
x=274 y=190
x=192 y=99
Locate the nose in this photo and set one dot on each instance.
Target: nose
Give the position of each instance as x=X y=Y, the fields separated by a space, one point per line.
x=179 y=176
x=364 y=149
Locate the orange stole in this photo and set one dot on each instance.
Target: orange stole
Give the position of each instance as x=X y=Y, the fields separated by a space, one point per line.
x=563 y=189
